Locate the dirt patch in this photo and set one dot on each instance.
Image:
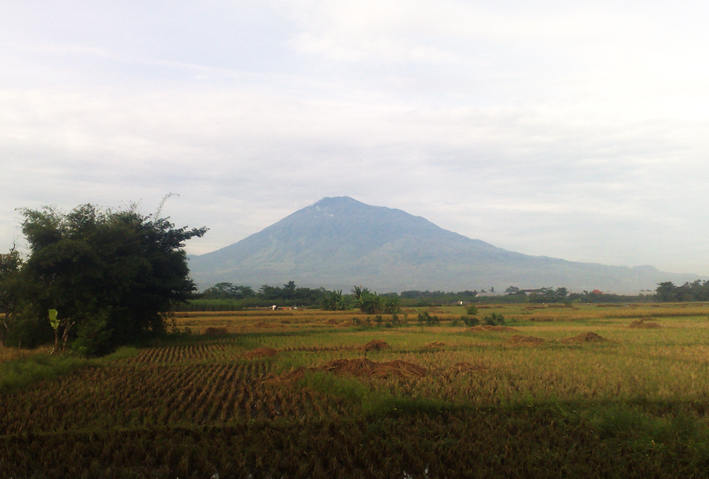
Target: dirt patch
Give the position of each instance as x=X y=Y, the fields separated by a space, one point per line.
x=487 y=327
x=215 y=331
x=376 y=345
x=260 y=353
x=585 y=338
x=525 y=340
x=643 y=324
x=435 y=345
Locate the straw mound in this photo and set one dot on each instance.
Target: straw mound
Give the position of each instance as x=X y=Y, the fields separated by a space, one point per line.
x=260 y=352
x=435 y=345
x=376 y=345
x=527 y=340
x=332 y=321
x=290 y=376
x=215 y=332
x=463 y=367
x=487 y=327
x=266 y=325
x=356 y=367
x=585 y=338
x=365 y=367
x=642 y=324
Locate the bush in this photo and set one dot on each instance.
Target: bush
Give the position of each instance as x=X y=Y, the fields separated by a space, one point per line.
x=494 y=319
x=471 y=310
x=470 y=320
x=428 y=320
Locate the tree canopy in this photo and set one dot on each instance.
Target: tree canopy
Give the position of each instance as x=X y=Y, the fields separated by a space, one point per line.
x=110 y=275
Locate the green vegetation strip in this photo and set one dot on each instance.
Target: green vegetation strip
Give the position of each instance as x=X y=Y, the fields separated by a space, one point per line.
x=21 y=373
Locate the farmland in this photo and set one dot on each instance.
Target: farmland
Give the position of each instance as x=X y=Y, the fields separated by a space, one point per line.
x=584 y=391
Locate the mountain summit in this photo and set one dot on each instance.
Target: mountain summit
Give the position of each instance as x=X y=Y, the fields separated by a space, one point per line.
x=340 y=242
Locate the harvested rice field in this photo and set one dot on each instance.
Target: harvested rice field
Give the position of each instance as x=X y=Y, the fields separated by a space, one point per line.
x=582 y=391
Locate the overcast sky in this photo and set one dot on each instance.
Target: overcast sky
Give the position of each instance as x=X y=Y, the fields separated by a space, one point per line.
x=578 y=130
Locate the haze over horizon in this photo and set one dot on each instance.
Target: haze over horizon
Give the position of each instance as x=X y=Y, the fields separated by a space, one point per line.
x=562 y=129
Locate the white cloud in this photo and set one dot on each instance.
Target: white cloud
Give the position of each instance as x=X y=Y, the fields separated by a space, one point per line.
x=556 y=128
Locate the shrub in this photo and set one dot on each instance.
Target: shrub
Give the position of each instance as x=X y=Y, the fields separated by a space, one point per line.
x=471 y=310
x=427 y=319
x=470 y=320
x=494 y=319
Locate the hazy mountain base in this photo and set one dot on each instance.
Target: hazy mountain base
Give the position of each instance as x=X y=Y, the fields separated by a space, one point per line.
x=338 y=242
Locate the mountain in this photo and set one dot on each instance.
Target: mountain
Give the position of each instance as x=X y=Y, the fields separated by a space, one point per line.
x=340 y=242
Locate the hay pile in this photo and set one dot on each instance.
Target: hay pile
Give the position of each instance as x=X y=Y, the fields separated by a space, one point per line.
x=487 y=327
x=215 y=331
x=435 y=345
x=365 y=367
x=260 y=353
x=267 y=325
x=525 y=340
x=356 y=367
x=376 y=345
x=643 y=324
x=585 y=338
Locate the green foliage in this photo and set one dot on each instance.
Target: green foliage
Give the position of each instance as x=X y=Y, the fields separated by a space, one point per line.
x=27 y=328
x=228 y=291
x=470 y=320
x=428 y=320
x=549 y=295
x=471 y=310
x=211 y=305
x=112 y=273
x=494 y=319
x=695 y=291
x=20 y=373
x=367 y=302
x=53 y=321
x=290 y=294
x=334 y=301
x=11 y=284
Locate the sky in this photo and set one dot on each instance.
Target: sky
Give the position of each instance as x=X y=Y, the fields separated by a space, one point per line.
x=570 y=129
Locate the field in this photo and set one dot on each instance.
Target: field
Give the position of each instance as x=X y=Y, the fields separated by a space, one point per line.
x=586 y=391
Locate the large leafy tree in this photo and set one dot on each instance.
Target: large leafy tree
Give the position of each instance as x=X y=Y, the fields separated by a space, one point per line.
x=111 y=275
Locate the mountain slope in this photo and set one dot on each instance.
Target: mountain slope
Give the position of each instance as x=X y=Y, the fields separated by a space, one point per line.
x=340 y=242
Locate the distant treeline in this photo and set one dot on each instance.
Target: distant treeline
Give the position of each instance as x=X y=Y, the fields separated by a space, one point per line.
x=695 y=291
x=230 y=297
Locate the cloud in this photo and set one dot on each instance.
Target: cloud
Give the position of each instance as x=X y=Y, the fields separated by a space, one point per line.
x=560 y=129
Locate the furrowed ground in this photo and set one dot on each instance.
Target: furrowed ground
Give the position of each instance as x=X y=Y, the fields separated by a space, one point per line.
x=589 y=391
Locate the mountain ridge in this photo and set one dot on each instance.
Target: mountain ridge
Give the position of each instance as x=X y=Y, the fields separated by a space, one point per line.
x=338 y=242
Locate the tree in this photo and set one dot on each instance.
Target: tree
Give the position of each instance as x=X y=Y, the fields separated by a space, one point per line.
x=111 y=273
x=367 y=302
x=334 y=301
x=666 y=292
x=10 y=288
